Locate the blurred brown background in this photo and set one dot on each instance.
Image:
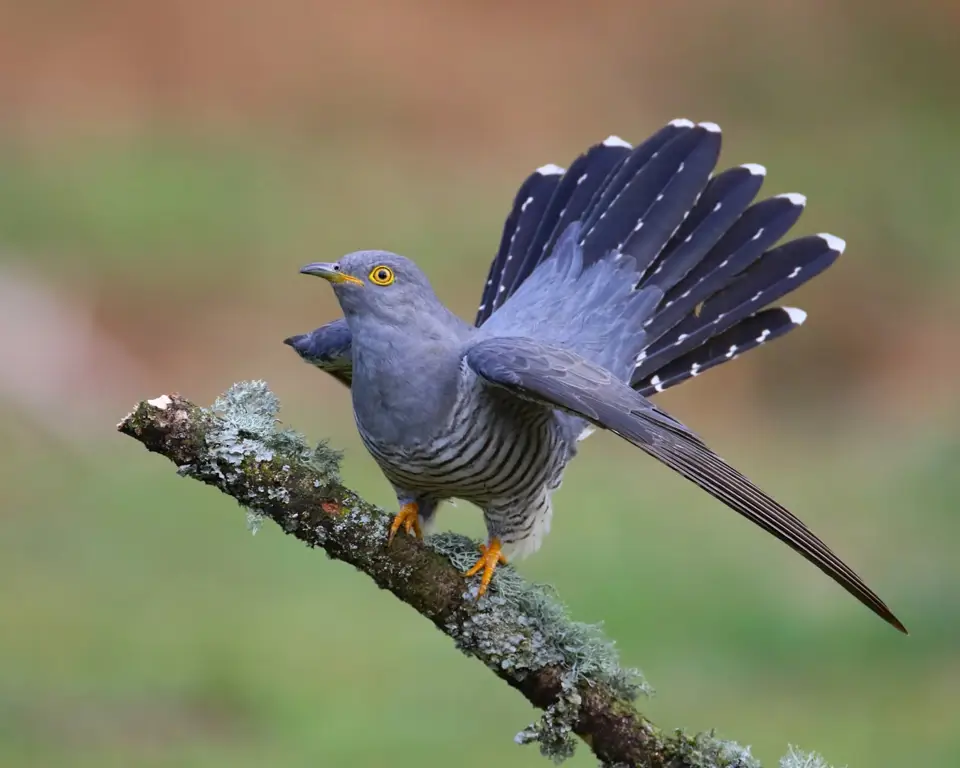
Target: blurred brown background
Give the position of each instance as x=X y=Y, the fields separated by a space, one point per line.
x=165 y=168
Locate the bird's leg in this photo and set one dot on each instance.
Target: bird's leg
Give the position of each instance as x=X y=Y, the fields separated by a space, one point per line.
x=490 y=558
x=409 y=518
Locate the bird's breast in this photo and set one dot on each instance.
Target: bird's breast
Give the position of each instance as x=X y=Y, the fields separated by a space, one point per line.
x=402 y=397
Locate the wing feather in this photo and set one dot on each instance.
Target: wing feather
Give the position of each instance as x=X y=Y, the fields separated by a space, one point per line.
x=564 y=380
x=328 y=347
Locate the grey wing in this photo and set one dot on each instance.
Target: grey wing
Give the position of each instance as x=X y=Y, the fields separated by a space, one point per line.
x=567 y=381
x=328 y=348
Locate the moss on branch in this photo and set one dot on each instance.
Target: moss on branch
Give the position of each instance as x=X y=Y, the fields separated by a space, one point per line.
x=518 y=630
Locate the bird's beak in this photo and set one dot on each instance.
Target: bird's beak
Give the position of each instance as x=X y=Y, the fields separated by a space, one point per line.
x=330 y=272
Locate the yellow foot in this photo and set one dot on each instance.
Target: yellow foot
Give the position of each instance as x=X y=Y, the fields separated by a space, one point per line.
x=490 y=558
x=409 y=518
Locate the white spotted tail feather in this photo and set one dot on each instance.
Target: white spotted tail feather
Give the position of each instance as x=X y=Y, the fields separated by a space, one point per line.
x=766 y=325
x=715 y=212
x=528 y=205
x=547 y=203
x=651 y=195
x=700 y=240
x=752 y=231
x=732 y=313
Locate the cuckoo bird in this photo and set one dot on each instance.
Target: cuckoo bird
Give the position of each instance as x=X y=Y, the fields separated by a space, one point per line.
x=630 y=271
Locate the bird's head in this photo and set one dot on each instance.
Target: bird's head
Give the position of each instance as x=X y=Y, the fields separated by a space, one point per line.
x=377 y=284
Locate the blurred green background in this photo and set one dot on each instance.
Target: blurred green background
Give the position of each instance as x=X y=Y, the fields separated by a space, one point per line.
x=165 y=169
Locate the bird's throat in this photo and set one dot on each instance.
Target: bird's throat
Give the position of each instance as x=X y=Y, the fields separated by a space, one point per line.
x=404 y=392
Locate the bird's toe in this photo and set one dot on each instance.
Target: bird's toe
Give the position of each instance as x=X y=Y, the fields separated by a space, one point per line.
x=409 y=519
x=490 y=557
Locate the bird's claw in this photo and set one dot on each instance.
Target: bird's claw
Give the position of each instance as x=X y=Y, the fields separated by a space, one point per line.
x=409 y=518
x=490 y=558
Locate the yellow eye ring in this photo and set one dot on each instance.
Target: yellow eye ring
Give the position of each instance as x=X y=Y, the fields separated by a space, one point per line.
x=381 y=275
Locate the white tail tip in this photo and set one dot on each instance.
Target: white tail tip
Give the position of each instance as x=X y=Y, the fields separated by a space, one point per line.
x=550 y=170
x=712 y=127
x=797 y=316
x=681 y=122
x=833 y=242
x=795 y=197
x=616 y=141
x=755 y=169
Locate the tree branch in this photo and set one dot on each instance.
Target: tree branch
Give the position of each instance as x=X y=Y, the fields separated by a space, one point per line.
x=518 y=630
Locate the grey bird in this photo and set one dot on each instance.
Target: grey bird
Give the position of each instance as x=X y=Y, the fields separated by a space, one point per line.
x=631 y=271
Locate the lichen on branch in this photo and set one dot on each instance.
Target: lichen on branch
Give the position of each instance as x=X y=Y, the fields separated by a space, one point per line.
x=520 y=631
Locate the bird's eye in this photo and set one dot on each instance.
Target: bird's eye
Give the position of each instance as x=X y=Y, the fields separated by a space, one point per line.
x=381 y=275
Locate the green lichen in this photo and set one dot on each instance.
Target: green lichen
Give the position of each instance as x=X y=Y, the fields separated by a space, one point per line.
x=247 y=428
x=519 y=628
x=796 y=758
x=245 y=450
x=522 y=626
x=254 y=522
x=554 y=730
x=705 y=750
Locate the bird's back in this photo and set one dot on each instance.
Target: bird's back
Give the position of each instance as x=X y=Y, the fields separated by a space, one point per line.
x=594 y=310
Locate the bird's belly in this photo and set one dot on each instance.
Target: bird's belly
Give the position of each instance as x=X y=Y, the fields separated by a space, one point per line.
x=487 y=455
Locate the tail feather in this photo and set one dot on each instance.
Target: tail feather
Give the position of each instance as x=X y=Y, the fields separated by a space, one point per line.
x=583 y=181
x=662 y=192
x=701 y=254
x=758 y=228
x=532 y=211
x=631 y=165
x=585 y=175
x=777 y=273
x=518 y=230
x=749 y=333
x=724 y=199
x=672 y=206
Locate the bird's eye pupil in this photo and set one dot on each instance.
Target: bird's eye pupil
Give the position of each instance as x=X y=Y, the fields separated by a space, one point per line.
x=382 y=274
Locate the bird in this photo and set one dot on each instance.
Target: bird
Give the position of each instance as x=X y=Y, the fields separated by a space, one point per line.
x=628 y=272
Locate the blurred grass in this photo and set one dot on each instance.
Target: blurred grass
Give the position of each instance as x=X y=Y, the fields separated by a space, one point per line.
x=114 y=205
x=120 y=204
